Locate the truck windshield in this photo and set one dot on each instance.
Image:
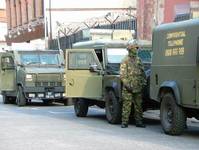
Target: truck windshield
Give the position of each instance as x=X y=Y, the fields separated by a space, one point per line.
x=39 y=59
x=116 y=55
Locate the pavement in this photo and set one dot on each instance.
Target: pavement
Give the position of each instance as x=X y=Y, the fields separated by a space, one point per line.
x=40 y=127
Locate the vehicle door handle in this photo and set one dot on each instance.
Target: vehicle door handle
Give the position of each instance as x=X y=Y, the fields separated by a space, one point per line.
x=71 y=82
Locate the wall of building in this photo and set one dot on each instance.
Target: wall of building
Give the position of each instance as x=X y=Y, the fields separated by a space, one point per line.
x=151 y=13
x=145 y=18
x=3 y=27
x=24 y=18
x=175 y=7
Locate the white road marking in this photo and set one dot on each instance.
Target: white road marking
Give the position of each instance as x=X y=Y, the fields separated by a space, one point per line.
x=60 y=112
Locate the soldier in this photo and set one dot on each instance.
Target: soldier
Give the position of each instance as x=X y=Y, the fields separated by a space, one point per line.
x=133 y=80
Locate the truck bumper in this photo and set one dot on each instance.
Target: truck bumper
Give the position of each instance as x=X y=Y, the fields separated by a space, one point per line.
x=44 y=92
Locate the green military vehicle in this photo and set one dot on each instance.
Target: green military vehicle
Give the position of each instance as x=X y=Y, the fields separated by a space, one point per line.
x=92 y=75
x=174 y=80
x=28 y=74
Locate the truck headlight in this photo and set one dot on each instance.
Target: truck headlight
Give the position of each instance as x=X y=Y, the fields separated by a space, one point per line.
x=29 y=77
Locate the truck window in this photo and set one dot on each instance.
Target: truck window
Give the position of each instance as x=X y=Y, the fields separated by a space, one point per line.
x=116 y=55
x=145 y=55
x=39 y=59
x=7 y=62
x=81 y=60
x=99 y=54
x=49 y=59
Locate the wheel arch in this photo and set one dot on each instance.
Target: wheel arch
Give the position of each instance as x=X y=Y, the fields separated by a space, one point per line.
x=115 y=90
x=170 y=86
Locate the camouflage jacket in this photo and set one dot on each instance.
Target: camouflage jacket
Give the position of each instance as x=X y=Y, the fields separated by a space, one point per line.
x=132 y=74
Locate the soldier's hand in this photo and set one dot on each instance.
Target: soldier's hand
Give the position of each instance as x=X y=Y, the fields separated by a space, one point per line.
x=129 y=89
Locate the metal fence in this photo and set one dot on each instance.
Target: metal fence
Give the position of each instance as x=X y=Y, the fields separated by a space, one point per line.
x=67 y=41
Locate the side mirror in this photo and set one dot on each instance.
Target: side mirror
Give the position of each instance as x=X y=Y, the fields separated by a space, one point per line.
x=62 y=64
x=20 y=65
x=93 y=68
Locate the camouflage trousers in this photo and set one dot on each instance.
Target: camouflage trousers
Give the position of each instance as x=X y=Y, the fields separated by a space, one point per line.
x=128 y=100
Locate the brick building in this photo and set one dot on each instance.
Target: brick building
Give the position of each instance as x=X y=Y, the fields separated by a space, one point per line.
x=154 y=12
x=25 y=20
x=3 y=27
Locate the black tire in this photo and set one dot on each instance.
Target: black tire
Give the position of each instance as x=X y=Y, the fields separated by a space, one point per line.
x=20 y=100
x=65 y=101
x=113 y=108
x=5 y=99
x=48 y=102
x=81 y=107
x=172 y=116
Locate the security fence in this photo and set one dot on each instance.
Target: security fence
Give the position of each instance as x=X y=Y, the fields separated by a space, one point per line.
x=67 y=41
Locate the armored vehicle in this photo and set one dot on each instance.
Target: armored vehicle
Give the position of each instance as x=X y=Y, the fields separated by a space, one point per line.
x=174 y=80
x=92 y=75
x=28 y=74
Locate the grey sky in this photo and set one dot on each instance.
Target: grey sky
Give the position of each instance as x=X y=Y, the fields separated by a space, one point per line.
x=2 y=3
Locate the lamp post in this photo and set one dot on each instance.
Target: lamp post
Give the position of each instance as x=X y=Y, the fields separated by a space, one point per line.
x=111 y=21
x=129 y=13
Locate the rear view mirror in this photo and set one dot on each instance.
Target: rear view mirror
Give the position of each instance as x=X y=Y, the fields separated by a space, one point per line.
x=93 y=68
x=20 y=65
x=62 y=64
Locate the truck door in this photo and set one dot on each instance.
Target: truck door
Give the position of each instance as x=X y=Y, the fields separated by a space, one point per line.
x=197 y=82
x=83 y=74
x=8 y=73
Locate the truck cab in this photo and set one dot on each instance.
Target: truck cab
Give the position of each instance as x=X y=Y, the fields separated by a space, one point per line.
x=174 y=80
x=92 y=75
x=28 y=74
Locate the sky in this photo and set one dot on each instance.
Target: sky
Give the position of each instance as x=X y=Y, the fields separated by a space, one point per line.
x=69 y=17
x=2 y=3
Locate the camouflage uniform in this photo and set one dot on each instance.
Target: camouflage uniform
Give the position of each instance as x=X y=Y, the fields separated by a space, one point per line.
x=132 y=76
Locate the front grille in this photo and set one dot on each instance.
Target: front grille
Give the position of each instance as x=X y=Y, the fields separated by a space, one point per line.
x=45 y=83
x=48 y=84
x=52 y=83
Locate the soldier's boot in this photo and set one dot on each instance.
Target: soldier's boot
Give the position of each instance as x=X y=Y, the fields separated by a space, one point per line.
x=140 y=124
x=124 y=125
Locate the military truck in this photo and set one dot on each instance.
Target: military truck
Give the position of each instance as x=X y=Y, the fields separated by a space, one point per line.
x=92 y=75
x=28 y=74
x=174 y=80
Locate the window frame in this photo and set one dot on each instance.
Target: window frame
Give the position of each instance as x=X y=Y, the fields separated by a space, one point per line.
x=3 y=67
x=90 y=52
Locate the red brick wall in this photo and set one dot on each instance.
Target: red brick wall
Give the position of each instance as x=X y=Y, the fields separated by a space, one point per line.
x=145 y=17
x=150 y=12
x=24 y=16
x=169 y=12
x=2 y=15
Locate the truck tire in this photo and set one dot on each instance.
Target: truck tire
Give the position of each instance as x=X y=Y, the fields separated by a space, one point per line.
x=48 y=102
x=172 y=116
x=113 y=107
x=81 y=107
x=5 y=99
x=21 y=100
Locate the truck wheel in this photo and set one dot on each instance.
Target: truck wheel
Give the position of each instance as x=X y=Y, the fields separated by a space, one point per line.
x=21 y=100
x=172 y=116
x=113 y=108
x=81 y=107
x=65 y=102
x=48 y=102
x=5 y=99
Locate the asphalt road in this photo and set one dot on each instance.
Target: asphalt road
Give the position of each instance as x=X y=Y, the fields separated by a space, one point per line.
x=39 y=127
